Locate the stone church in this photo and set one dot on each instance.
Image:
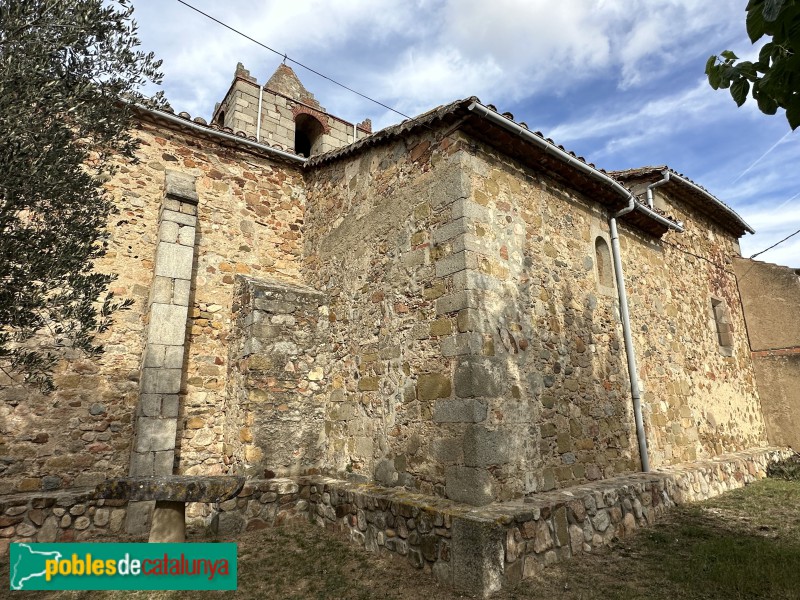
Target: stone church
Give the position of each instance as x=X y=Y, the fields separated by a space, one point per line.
x=454 y=307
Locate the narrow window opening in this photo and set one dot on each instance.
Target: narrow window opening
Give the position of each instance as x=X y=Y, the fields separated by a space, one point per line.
x=307 y=135
x=722 y=322
x=602 y=256
x=220 y=120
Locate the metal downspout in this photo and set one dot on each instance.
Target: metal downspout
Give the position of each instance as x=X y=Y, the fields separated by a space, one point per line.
x=630 y=353
x=258 y=121
x=636 y=395
x=655 y=185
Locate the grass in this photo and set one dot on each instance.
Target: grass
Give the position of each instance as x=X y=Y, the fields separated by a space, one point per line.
x=745 y=544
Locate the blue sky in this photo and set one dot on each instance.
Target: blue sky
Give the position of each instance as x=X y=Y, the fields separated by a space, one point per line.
x=619 y=82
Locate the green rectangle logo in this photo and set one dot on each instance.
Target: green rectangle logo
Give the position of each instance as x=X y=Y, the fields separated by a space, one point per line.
x=101 y=566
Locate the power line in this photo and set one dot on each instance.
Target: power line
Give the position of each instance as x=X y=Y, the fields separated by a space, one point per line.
x=776 y=243
x=299 y=64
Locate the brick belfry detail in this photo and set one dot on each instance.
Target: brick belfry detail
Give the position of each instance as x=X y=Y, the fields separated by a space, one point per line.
x=153 y=452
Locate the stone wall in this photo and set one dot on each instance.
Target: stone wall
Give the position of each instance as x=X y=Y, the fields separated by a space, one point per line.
x=547 y=334
x=701 y=396
x=249 y=222
x=370 y=250
x=771 y=298
x=63 y=516
x=278 y=379
x=476 y=334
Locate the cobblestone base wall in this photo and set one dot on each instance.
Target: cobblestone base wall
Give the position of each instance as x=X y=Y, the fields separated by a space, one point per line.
x=486 y=548
x=478 y=549
x=64 y=516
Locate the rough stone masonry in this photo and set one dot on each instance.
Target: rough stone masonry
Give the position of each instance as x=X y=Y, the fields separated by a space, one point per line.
x=430 y=308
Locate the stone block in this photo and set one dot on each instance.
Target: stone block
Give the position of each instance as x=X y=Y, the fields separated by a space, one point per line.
x=459 y=410
x=461 y=344
x=431 y=386
x=173 y=357
x=471 y=211
x=154 y=356
x=142 y=464
x=447 y=450
x=456 y=262
x=167 y=324
x=169 y=405
x=450 y=230
x=150 y=405
x=477 y=556
x=178 y=217
x=161 y=381
x=139 y=515
x=471 y=243
x=49 y=531
x=468 y=320
x=182 y=289
x=174 y=260
x=454 y=183
x=186 y=235
x=368 y=384
x=168 y=232
x=469 y=485
x=155 y=434
x=474 y=280
x=457 y=301
x=478 y=377
x=163 y=462
x=181 y=186
x=484 y=447
x=162 y=290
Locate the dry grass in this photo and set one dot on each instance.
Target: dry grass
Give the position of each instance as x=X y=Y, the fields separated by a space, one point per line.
x=745 y=544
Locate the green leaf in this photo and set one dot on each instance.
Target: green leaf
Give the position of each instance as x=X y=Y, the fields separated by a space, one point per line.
x=771 y=10
x=712 y=60
x=714 y=77
x=793 y=112
x=728 y=54
x=747 y=69
x=756 y=26
x=739 y=90
x=765 y=54
x=766 y=104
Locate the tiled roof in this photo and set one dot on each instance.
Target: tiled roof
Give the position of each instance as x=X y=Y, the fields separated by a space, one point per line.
x=200 y=125
x=697 y=195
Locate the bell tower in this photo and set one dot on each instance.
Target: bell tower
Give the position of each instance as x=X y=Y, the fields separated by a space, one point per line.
x=284 y=113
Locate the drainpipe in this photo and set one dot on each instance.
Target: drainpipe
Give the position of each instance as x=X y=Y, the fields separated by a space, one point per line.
x=633 y=372
x=258 y=121
x=605 y=179
x=655 y=185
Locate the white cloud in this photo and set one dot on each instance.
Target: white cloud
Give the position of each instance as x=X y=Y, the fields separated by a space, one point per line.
x=631 y=125
x=612 y=75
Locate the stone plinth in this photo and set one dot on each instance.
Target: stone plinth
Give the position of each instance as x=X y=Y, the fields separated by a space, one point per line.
x=171 y=495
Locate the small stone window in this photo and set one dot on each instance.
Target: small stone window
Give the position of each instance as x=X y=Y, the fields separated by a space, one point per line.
x=602 y=258
x=220 y=120
x=307 y=135
x=722 y=323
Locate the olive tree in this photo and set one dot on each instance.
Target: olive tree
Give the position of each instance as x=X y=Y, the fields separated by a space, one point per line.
x=70 y=71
